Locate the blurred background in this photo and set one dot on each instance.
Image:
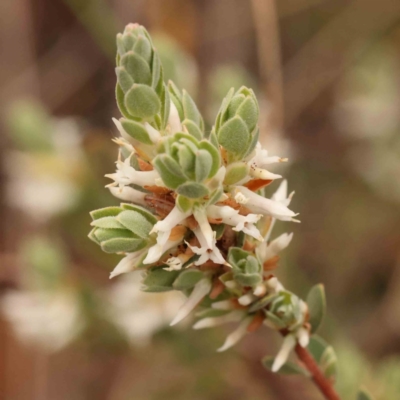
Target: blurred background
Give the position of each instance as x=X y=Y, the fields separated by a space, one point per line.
x=327 y=74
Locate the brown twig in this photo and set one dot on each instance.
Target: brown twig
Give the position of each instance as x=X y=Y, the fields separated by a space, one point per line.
x=320 y=380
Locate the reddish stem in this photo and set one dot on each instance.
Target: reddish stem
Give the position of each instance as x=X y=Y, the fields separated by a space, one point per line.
x=321 y=381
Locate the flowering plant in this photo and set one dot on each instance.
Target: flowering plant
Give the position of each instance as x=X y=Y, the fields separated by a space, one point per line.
x=195 y=218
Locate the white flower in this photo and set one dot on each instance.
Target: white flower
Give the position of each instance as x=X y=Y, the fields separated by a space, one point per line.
x=49 y=320
x=201 y=289
x=138 y=314
x=163 y=229
x=266 y=251
x=211 y=322
x=204 y=251
x=200 y=215
x=236 y=335
x=174 y=121
x=174 y=263
x=260 y=160
x=127 y=193
x=128 y=263
x=259 y=204
x=241 y=223
x=153 y=133
x=289 y=342
x=126 y=175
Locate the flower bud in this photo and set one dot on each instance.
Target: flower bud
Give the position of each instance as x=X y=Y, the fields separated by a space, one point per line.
x=247 y=271
x=140 y=91
x=122 y=229
x=186 y=165
x=236 y=124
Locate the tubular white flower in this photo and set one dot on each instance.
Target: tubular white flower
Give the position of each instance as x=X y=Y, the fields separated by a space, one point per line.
x=204 y=251
x=259 y=204
x=222 y=305
x=260 y=173
x=267 y=251
x=260 y=290
x=174 y=121
x=230 y=216
x=303 y=337
x=246 y=299
x=236 y=335
x=201 y=289
x=274 y=285
x=289 y=342
x=128 y=263
x=174 y=263
x=153 y=133
x=127 y=193
x=155 y=252
x=211 y=322
x=200 y=215
x=126 y=175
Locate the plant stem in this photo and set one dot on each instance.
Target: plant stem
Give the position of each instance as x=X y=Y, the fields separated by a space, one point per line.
x=320 y=380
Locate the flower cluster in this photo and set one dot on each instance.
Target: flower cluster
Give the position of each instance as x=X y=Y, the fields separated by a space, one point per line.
x=194 y=217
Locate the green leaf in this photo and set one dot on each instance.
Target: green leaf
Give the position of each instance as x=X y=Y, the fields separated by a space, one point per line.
x=215 y=154
x=183 y=203
x=122 y=245
x=234 y=136
x=203 y=165
x=142 y=101
x=289 y=368
x=248 y=111
x=103 y=235
x=124 y=79
x=136 y=130
x=159 y=280
x=363 y=394
x=324 y=355
x=235 y=172
x=192 y=190
x=169 y=171
x=136 y=223
x=316 y=301
x=107 y=222
x=120 y=97
x=187 y=279
x=247 y=279
x=262 y=303
x=141 y=210
x=193 y=129
x=137 y=68
x=105 y=212
x=143 y=48
x=190 y=109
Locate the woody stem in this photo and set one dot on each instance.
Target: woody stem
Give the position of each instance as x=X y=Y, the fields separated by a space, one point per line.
x=321 y=381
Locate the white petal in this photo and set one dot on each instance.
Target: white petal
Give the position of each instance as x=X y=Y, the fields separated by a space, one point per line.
x=289 y=342
x=175 y=217
x=260 y=173
x=173 y=120
x=127 y=264
x=201 y=218
x=260 y=290
x=216 y=321
x=222 y=305
x=127 y=193
x=303 y=337
x=153 y=133
x=236 y=335
x=246 y=299
x=200 y=290
x=266 y=252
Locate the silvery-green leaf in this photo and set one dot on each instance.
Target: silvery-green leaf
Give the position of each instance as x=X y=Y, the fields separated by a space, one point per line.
x=120 y=97
x=136 y=130
x=203 y=165
x=143 y=48
x=317 y=347
x=187 y=160
x=169 y=171
x=364 y=395
x=190 y=109
x=235 y=103
x=165 y=107
x=187 y=279
x=135 y=222
x=215 y=154
x=122 y=245
x=289 y=368
x=245 y=279
x=248 y=111
x=255 y=136
x=92 y=236
x=141 y=210
x=214 y=140
x=224 y=106
x=159 y=280
x=316 y=302
x=234 y=136
x=107 y=222
x=193 y=129
x=103 y=235
x=124 y=79
x=156 y=71
x=142 y=101
x=328 y=363
x=279 y=324
x=235 y=255
x=105 y=212
x=192 y=190
x=137 y=68
x=235 y=172
x=262 y=303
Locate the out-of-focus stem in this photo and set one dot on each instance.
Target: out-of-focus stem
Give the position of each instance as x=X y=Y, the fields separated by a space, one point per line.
x=320 y=380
